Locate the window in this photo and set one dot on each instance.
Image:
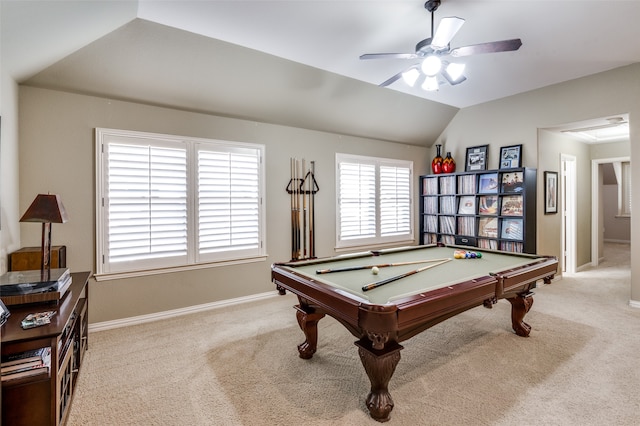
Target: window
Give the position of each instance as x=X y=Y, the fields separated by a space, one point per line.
x=170 y=202
x=374 y=200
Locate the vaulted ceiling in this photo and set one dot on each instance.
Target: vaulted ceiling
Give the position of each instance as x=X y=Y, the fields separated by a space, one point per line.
x=296 y=63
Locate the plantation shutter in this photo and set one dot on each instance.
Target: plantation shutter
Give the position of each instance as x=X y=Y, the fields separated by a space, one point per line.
x=228 y=200
x=395 y=200
x=147 y=202
x=357 y=200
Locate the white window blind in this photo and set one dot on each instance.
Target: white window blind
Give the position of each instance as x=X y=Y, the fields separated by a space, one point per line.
x=395 y=201
x=228 y=200
x=170 y=202
x=374 y=200
x=147 y=202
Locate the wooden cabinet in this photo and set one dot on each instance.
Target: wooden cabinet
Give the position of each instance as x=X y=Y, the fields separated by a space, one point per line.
x=30 y=258
x=494 y=209
x=45 y=399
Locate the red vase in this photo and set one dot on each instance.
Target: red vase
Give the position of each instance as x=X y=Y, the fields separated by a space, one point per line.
x=436 y=164
x=448 y=164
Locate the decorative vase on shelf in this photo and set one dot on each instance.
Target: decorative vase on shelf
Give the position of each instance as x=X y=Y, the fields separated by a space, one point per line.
x=436 y=164
x=448 y=164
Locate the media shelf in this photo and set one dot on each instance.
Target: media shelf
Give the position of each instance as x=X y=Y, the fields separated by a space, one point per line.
x=493 y=209
x=45 y=399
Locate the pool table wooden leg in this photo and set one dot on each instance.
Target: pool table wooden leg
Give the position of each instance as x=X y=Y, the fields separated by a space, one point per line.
x=308 y=322
x=380 y=366
x=520 y=305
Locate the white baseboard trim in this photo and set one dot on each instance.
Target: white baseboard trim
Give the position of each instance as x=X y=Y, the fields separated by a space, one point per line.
x=125 y=322
x=634 y=303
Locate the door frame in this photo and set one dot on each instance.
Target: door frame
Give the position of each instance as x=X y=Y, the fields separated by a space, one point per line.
x=597 y=232
x=569 y=212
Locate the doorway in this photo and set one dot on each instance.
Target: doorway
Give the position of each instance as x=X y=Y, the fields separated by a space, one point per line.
x=568 y=209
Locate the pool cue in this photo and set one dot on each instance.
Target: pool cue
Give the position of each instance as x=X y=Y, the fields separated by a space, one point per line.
x=398 y=277
x=303 y=184
x=381 y=265
x=296 y=210
x=293 y=223
x=312 y=206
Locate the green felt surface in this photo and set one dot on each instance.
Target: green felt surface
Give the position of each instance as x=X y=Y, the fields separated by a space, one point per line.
x=447 y=274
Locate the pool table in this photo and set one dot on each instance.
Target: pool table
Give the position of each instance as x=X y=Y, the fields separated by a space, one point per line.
x=384 y=316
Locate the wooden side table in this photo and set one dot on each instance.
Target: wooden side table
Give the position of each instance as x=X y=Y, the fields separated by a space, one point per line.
x=30 y=258
x=45 y=400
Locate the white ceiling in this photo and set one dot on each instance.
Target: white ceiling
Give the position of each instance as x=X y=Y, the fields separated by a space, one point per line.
x=562 y=40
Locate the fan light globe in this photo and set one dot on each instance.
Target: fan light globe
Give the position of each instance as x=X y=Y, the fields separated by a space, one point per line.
x=455 y=71
x=411 y=76
x=431 y=65
x=430 y=84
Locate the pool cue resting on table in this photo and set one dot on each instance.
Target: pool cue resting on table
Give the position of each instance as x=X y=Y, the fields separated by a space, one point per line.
x=406 y=274
x=381 y=265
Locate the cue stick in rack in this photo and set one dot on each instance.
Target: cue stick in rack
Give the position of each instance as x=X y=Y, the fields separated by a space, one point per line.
x=398 y=277
x=312 y=223
x=293 y=222
x=303 y=186
x=381 y=265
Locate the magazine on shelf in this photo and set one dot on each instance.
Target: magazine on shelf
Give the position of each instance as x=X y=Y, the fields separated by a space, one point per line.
x=512 y=182
x=488 y=183
x=488 y=227
x=488 y=204
x=467 y=205
x=512 y=229
x=511 y=205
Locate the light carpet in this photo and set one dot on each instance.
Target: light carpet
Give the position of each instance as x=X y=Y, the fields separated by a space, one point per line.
x=240 y=366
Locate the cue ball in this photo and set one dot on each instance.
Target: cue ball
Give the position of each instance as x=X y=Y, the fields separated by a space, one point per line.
x=375 y=270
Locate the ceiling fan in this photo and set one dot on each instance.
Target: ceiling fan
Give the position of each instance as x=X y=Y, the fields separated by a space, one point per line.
x=430 y=52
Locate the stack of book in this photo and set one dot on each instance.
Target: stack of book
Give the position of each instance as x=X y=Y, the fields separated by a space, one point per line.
x=21 y=287
x=26 y=364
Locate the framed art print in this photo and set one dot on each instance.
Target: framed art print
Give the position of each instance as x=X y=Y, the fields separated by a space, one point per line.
x=476 y=158
x=511 y=157
x=550 y=192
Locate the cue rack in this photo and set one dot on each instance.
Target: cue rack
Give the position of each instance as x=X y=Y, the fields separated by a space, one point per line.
x=302 y=189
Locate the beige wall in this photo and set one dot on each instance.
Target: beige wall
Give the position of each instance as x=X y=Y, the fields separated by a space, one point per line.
x=57 y=156
x=516 y=120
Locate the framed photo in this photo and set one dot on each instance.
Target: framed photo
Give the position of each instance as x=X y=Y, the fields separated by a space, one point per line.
x=511 y=157
x=476 y=158
x=488 y=183
x=550 y=192
x=511 y=229
x=488 y=204
x=467 y=204
x=512 y=182
x=511 y=205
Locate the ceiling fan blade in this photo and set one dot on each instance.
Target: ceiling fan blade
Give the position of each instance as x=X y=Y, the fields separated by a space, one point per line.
x=447 y=29
x=389 y=56
x=391 y=80
x=491 y=47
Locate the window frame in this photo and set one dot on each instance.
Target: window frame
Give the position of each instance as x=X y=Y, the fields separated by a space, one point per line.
x=377 y=240
x=193 y=259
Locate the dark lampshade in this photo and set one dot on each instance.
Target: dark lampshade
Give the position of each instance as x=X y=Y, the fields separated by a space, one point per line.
x=45 y=208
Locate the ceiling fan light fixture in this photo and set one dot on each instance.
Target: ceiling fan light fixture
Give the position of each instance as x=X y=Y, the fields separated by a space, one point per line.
x=431 y=65
x=455 y=71
x=430 y=84
x=411 y=76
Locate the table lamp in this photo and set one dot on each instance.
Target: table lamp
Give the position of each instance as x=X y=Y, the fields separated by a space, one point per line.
x=47 y=209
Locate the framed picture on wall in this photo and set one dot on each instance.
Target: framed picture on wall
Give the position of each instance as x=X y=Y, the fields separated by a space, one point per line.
x=550 y=192
x=511 y=157
x=476 y=158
